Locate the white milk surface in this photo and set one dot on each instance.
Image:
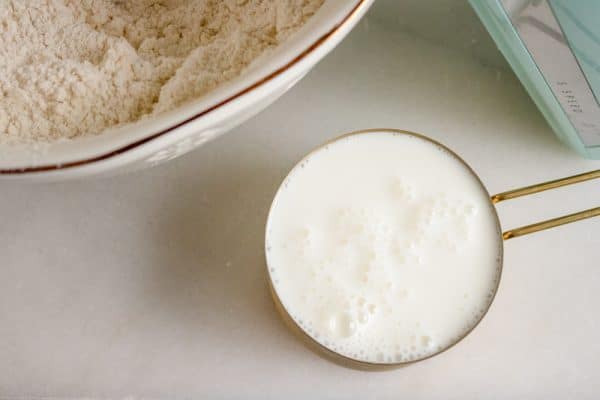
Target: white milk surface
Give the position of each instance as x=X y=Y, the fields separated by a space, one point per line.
x=383 y=247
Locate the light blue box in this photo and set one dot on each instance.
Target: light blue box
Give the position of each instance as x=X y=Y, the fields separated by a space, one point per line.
x=554 y=48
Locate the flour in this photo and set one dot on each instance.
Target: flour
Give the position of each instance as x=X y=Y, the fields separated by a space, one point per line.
x=77 y=67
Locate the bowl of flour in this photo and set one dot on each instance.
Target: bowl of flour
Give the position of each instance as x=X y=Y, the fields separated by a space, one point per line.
x=96 y=87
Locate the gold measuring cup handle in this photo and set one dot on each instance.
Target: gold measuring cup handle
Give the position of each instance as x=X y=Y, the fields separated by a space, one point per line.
x=540 y=187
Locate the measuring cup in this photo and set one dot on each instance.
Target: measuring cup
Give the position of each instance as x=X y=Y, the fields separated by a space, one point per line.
x=524 y=230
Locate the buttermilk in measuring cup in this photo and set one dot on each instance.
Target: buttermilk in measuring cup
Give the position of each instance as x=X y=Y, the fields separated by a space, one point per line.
x=383 y=247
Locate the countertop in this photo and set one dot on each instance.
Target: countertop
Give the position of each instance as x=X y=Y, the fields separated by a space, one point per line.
x=153 y=284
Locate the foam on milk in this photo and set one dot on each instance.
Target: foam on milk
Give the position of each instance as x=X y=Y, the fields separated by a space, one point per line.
x=383 y=247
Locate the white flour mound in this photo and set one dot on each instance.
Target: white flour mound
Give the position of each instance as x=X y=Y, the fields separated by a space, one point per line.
x=77 y=67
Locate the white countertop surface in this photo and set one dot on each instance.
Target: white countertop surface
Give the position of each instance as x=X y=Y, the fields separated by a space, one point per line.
x=153 y=284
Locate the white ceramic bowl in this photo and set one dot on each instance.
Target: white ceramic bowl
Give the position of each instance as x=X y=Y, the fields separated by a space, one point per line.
x=174 y=133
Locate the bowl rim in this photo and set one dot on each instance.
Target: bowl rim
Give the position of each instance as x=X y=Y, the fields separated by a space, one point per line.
x=260 y=82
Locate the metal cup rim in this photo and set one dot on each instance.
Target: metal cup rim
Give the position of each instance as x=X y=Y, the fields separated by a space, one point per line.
x=342 y=359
